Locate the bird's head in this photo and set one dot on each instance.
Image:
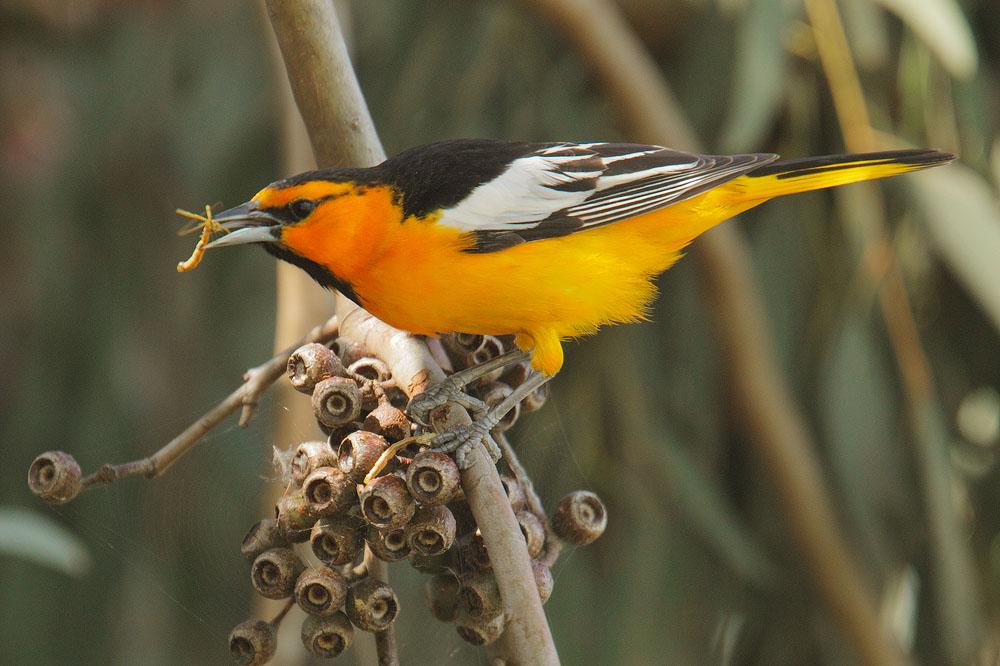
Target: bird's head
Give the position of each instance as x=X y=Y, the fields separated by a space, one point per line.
x=320 y=221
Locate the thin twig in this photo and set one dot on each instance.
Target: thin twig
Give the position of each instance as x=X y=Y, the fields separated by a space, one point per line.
x=256 y=381
x=760 y=392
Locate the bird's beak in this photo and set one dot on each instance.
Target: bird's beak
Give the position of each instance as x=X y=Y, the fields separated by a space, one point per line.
x=245 y=224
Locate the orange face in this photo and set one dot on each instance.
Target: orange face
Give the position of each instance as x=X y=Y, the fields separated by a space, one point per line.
x=341 y=225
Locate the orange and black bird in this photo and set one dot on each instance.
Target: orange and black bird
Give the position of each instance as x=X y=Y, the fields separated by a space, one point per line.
x=545 y=241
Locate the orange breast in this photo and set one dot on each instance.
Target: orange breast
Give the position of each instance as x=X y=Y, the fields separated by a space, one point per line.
x=414 y=275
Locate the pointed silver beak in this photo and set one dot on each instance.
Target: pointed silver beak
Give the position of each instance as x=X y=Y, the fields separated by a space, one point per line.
x=245 y=224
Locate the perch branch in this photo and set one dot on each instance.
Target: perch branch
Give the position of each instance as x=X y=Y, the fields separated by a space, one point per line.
x=648 y=108
x=342 y=133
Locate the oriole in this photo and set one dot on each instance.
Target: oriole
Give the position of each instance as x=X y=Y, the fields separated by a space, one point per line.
x=544 y=241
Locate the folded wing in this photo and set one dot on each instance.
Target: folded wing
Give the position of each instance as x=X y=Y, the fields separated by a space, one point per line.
x=558 y=189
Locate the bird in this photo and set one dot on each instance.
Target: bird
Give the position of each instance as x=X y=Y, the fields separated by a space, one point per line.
x=544 y=241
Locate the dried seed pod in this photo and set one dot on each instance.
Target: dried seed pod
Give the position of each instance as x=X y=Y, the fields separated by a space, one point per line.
x=54 y=477
x=493 y=394
x=388 y=421
x=480 y=632
x=433 y=478
x=543 y=579
x=533 y=531
x=535 y=400
x=358 y=452
x=515 y=492
x=310 y=364
x=328 y=491
x=262 y=536
x=442 y=596
x=371 y=368
x=320 y=591
x=253 y=642
x=388 y=545
x=490 y=348
x=336 y=541
x=371 y=605
x=580 y=518
x=431 y=531
x=310 y=455
x=336 y=401
x=386 y=503
x=517 y=373
x=327 y=637
x=479 y=595
x=274 y=573
x=294 y=515
x=463 y=343
x=347 y=350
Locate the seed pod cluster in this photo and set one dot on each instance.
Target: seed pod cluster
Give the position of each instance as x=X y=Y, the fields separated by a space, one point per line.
x=414 y=510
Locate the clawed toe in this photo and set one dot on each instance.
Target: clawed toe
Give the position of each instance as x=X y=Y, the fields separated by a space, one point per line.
x=422 y=405
x=461 y=441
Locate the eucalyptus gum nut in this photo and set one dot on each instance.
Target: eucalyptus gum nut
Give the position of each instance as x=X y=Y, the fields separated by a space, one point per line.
x=431 y=531
x=55 y=477
x=580 y=518
x=336 y=541
x=310 y=364
x=310 y=455
x=274 y=572
x=358 y=452
x=386 y=503
x=371 y=605
x=329 y=491
x=388 y=545
x=320 y=591
x=336 y=401
x=327 y=637
x=253 y=642
x=264 y=535
x=433 y=478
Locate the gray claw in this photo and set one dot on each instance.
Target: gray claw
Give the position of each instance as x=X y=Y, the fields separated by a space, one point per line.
x=423 y=404
x=461 y=441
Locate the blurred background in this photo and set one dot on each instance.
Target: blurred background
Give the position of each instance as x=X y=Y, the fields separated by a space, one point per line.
x=113 y=114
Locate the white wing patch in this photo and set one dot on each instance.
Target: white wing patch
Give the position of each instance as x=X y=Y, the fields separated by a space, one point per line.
x=529 y=190
x=563 y=188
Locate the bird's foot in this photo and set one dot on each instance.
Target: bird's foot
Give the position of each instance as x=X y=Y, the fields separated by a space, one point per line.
x=421 y=405
x=461 y=441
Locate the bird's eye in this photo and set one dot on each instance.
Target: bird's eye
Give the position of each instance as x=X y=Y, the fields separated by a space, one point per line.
x=301 y=208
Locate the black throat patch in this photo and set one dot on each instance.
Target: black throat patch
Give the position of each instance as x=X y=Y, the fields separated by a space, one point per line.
x=315 y=271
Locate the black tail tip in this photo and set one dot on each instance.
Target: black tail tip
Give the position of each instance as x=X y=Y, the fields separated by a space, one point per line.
x=918 y=157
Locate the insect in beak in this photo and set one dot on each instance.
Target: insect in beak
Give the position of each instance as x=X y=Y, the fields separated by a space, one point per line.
x=245 y=224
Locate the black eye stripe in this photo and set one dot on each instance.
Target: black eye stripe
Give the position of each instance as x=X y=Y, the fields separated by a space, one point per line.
x=288 y=214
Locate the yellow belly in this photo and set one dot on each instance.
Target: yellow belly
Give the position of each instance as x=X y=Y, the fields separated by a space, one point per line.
x=553 y=289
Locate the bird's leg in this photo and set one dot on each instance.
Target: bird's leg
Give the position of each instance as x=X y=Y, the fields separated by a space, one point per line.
x=461 y=440
x=451 y=389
